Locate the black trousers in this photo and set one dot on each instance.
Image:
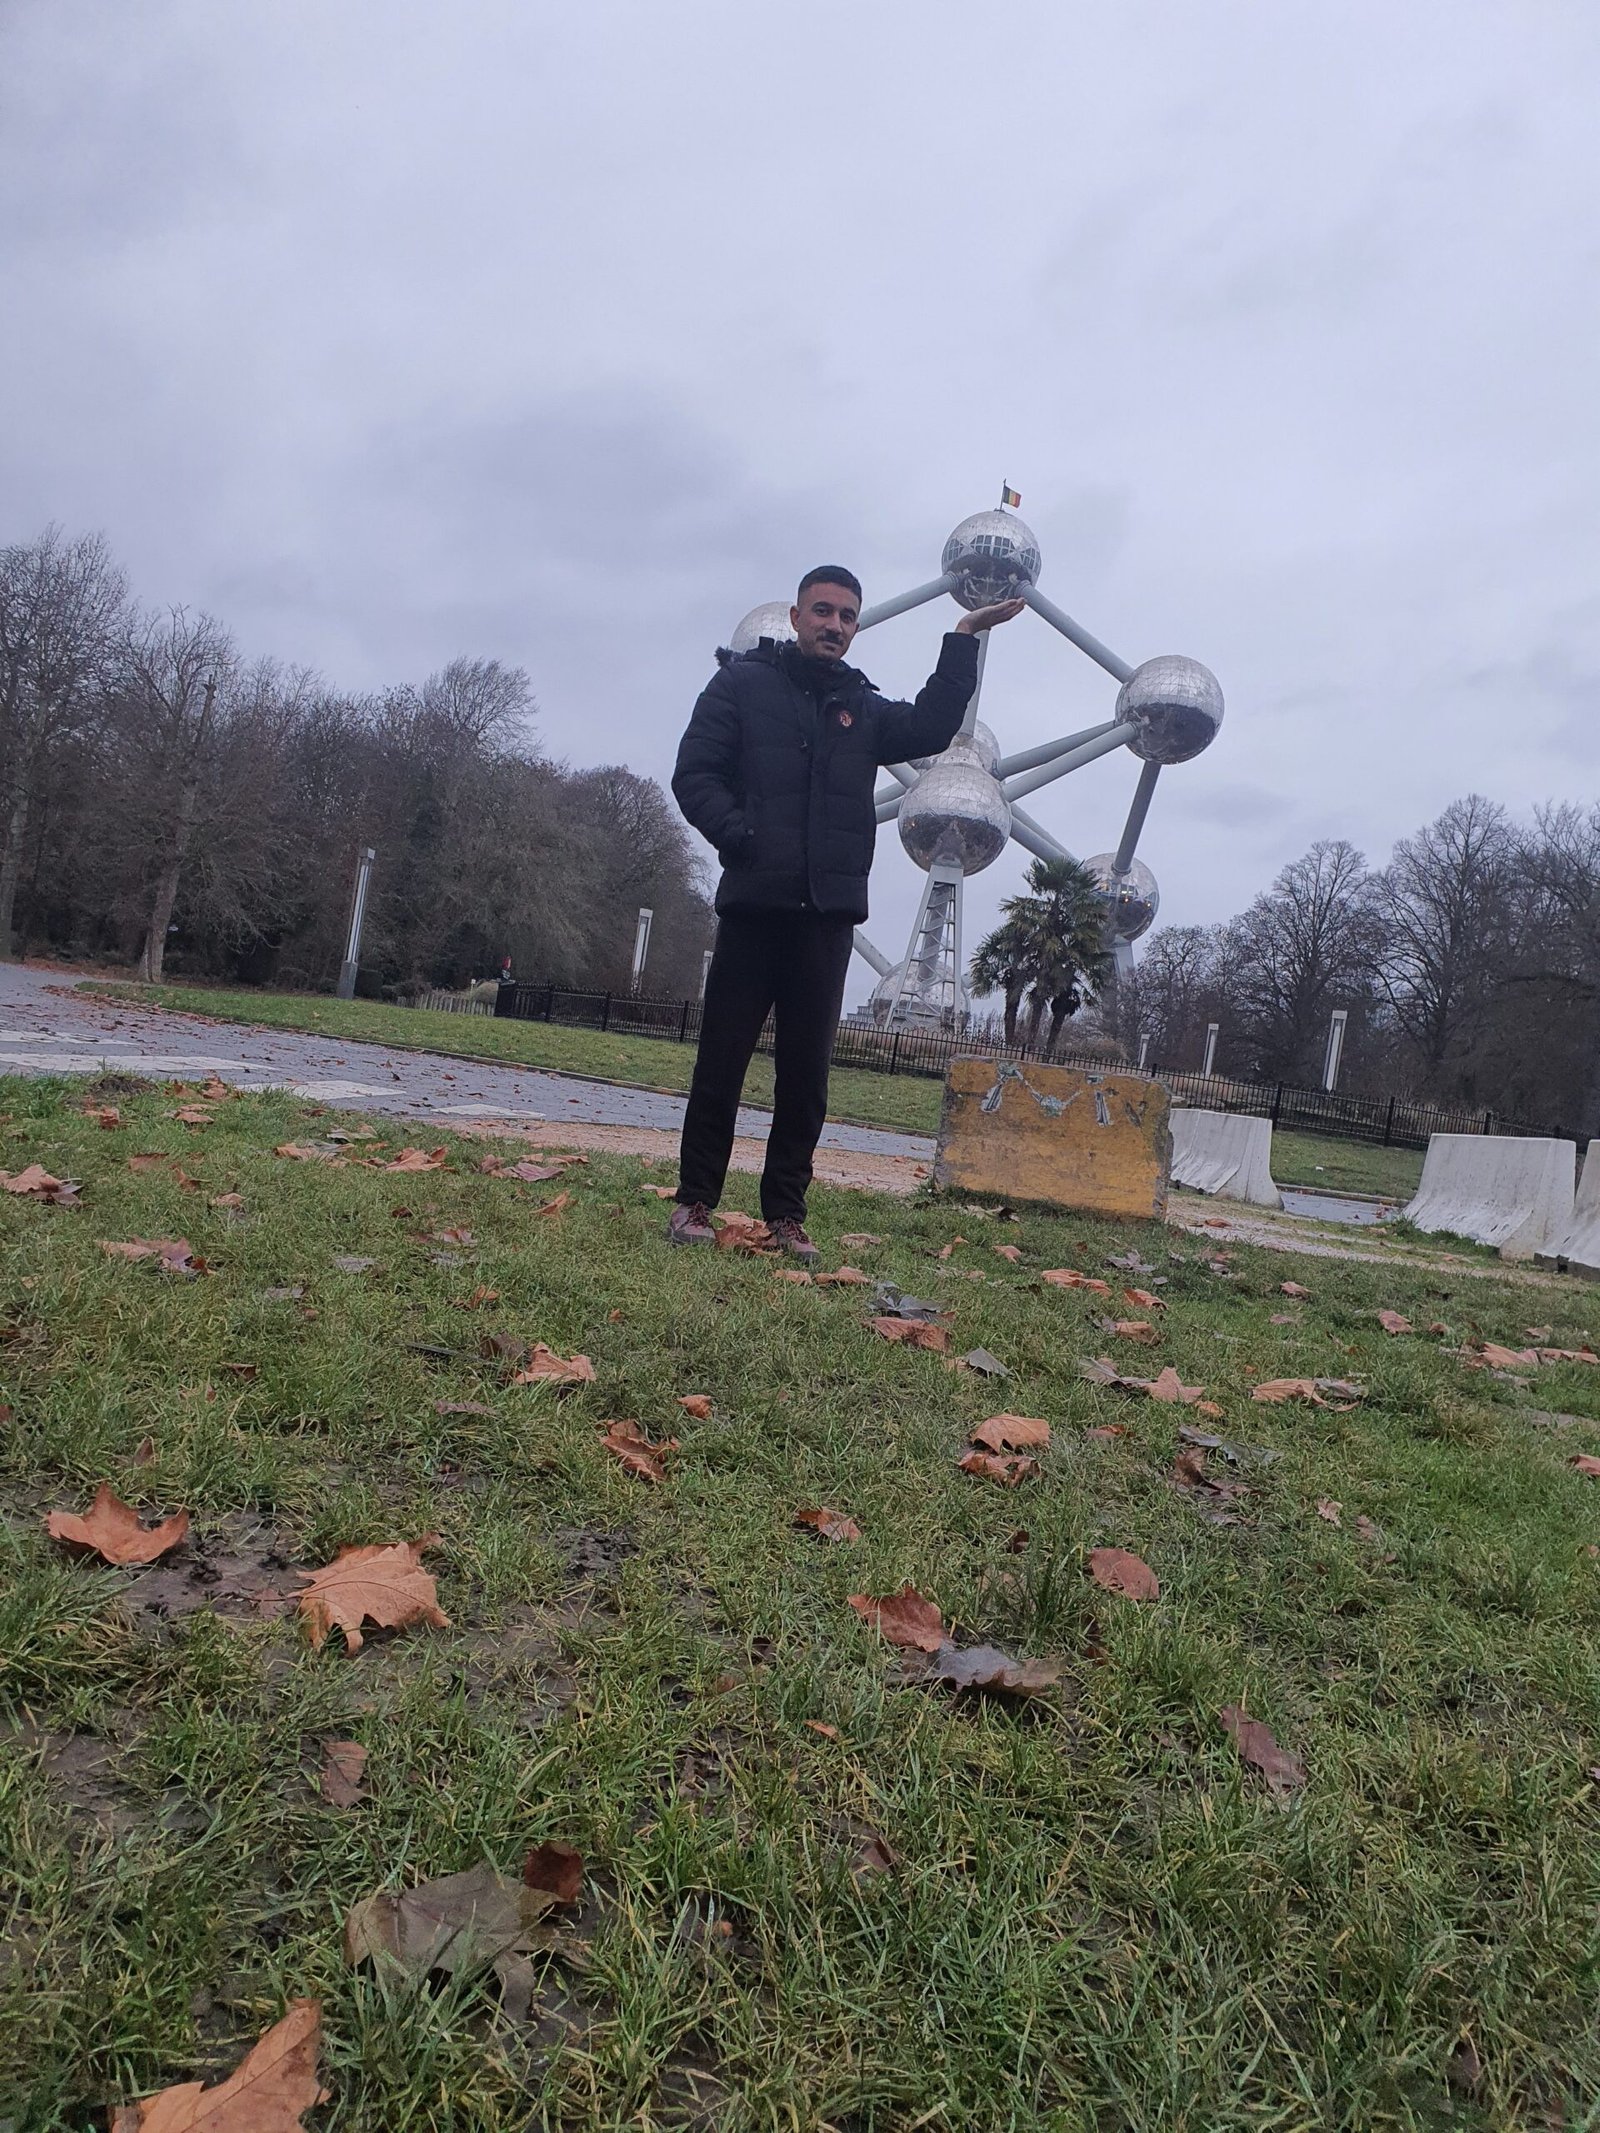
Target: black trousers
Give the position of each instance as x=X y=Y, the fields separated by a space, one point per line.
x=792 y=963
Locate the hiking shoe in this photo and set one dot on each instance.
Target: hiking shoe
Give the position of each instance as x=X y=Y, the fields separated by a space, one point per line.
x=691 y=1225
x=790 y=1236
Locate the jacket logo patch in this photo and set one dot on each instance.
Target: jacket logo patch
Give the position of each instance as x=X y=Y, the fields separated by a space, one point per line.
x=846 y=718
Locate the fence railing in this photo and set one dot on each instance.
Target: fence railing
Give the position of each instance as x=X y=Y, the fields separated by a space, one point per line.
x=1391 y=1121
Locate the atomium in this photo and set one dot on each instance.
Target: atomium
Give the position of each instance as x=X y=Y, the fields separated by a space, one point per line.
x=1132 y=898
x=1176 y=705
x=770 y=619
x=990 y=556
x=956 y=811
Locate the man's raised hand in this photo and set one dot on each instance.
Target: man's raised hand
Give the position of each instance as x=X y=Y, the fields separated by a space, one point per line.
x=988 y=618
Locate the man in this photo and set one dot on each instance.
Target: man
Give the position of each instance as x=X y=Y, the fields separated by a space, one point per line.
x=777 y=770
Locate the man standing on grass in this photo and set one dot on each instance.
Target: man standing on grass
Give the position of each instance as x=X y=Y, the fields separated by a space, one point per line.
x=776 y=771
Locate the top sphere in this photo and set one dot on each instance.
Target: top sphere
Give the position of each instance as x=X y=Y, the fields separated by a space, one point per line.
x=1176 y=704
x=771 y=619
x=991 y=556
x=1132 y=898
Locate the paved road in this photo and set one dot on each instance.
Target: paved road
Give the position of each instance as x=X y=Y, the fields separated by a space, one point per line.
x=48 y=1028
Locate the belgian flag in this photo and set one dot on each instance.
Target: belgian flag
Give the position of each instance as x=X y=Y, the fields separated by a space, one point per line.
x=1011 y=497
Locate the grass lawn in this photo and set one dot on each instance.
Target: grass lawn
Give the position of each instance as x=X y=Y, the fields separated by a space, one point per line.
x=899 y=1102
x=1092 y=1916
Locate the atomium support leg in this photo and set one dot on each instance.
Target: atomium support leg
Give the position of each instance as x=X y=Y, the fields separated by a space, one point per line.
x=1111 y=738
x=874 y=956
x=902 y=603
x=1144 y=793
x=1075 y=633
x=928 y=971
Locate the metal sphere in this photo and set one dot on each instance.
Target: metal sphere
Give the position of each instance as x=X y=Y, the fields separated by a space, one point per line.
x=980 y=745
x=956 y=813
x=1132 y=897
x=771 y=619
x=1176 y=704
x=925 y=1002
x=991 y=556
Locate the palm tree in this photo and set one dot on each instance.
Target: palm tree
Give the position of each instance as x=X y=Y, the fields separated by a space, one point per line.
x=1050 y=945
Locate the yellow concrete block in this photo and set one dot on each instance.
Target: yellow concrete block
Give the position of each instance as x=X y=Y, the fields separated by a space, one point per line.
x=1099 y=1142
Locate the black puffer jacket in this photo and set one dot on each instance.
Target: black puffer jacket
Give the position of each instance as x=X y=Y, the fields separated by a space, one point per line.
x=779 y=762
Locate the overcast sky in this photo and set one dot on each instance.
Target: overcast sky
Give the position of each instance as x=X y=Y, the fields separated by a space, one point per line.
x=564 y=335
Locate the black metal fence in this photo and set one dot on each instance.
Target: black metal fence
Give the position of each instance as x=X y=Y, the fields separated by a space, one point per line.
x=1391 y=1121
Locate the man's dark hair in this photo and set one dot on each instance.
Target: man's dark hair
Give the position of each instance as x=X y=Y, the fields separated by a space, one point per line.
x=828 y=574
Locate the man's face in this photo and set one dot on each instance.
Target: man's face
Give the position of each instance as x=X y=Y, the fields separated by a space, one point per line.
x=825 y=619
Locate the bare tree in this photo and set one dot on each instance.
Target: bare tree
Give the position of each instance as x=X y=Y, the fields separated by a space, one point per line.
x=60 y=602
x=1306 y=947
x=1445 y=899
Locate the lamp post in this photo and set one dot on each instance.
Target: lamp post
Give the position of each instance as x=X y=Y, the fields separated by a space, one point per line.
x=1335 y=1051
x=1211 y=1048
x=641 y=945
x=346 y=989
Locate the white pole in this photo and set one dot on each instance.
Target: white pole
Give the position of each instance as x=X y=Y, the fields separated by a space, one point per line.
x=1211 y=1047
x=1144 y=1053
x=641 y=944
x=1335 y=1051
x=346 y=988
x=705 y=971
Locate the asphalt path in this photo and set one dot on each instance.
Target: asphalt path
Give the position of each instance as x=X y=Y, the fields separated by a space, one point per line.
x=48 y=1027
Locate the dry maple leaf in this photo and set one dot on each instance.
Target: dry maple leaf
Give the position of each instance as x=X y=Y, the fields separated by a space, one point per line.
x=460 y=1923
x=1132 y=1329
x=1146 y=1299
x=557 y=1206
x=1104 y=1432
x=303 y=1152
x=945 y=1250
x=545 y=1366
x=829 y=1525
x=911 y=1332
x=476 y=1299
x=797 y=1275
x=1167 y=1385
x=1293 y=1288
x=1585 y=1463
x=1011 y=1252
x=1067 y=1277
x=1568 y=1355
x=859 y=1236
x=267 y=2092
x=819 y=1725
x=1329 y=1507
x=1011 y=1433
x=112 y=1529
x=384 y=1585
x=1100 y=1370
x=176 y=1254
x=215 y=1090
x=555 y=1868
x=342 y=1764
x=1394 y=1322
x=1008 y=1470
x=844 y=1277
x=1117 y=1571
x=697 y=1405
x=193 y=1114
x=422 y=1159
x=1340 y=1391
x=634 y=1450
x=985 y=1666
x=36 y=1183
x=228 y=1200
x=904 y=1618
x=1494 y=1357
x=661 y=1192
x=104 y=1115
x=1283 y=1772
x=876 y=1856
x=448 y=1236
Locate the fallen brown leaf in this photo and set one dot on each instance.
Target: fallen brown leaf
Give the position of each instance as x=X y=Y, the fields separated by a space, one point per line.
x=1067 y=1277
x=1585 y=1463
x=421 y=1159
x=193 y=1114
x=112 y=1529
x=1495 y=1357
x=1293 y=1288
x=844 y=1277
x=1132 y=1329
x=1146 y=1299
x=798 y=1275
x=859 y=1236
x=661 y=1192
x=1394 y=1322
x=818 y=1725
x=176 y=1254
x=446 y=1236
x=1008 y=1471
x=460 y=1923
x=36 y=1183
x=557 y=1206
x=697 y=1405
x=269 y=2090
x=985 y=1666
x=1103 y=1432
x=945 y=1250
x=476 y=1300
x=1010 y=1433
x=385 y=1585
x=1116 y=1570
x=228 y=1199
x=829 y=1525
x=1283 y=1772
x=556 y=1868
x=742 y=1233
x=303 y=1152
x=876 y=1856
x=911 y=1332
x=904 y=1618
x=104 y=1115
x=343 y=1762
x=635 y=1451
x=1012 y=1252
x=1329 y=1507
x=545 y=1366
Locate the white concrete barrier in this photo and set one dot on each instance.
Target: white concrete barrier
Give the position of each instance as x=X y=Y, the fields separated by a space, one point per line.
x=1512 y=1193
x=1579 y=1244
x=1226 y=1153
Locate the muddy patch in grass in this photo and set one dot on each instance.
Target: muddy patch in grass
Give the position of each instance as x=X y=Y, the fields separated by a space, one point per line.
x=80 y=1774
x=238 y=1568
